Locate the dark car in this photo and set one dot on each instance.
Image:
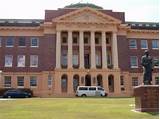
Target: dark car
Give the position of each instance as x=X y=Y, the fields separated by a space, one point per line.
x=16 y=94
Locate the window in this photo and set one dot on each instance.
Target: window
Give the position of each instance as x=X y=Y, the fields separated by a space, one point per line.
x=9 y=42
x=96 y=40
x=98 y=59
x=101 y=89
x=21 y=61
x=156 y=62
x=64 y=58
x=134 y=62
x=134 y=81
x=75 y=40
x=64 y=82
x=83 y=88
x=49 y=81
x=157 y=80
x=34 y=42
x=155 y=44
x=33 y=81
x=8 y=60
x=132 y=44
x=0 y=42
x=20 y=81
x=122 y=80
x=107 y=41
x=7 y=81
x=75 y=59
x=109 y=59
x=34 y=61
x=92 y=88
x=86 y=40
x=64 y=40
x=22 y=42
x=144 y=44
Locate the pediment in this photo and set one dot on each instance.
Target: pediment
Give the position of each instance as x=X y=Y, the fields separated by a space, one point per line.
x=86 y=15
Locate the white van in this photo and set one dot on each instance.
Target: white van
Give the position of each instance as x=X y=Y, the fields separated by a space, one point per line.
x=84 y=91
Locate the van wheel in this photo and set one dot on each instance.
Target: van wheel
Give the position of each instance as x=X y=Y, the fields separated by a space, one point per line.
x=9 y=96
x=26 y=96
x=83 y=95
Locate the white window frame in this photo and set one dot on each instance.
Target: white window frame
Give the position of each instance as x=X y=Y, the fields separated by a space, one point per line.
x=7 y=85
x=157 y=45
x=98 y=59
x=133 y=81
x=75 y=59
x=136 y=66
x=35 y=78
x=158 y=60
x=23 y=82
x=32 y=58
x=19 y=40
x=18 y=62
x=11 y=63
x=146 y=42
x=9 y=46
x=37 y=42
x=49 y=81
x=135 y=43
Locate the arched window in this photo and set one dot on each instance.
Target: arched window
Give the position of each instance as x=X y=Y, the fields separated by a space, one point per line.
x=111 y=83
x=64 y=82
x=99 y=81
x=75 y=82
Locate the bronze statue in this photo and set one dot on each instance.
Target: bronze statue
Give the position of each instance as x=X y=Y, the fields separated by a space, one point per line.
x=147 y=64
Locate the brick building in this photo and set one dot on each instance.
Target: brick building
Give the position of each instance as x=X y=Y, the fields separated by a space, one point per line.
x=80 y=44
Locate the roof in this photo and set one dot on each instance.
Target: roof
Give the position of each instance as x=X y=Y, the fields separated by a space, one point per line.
x=144 y=25
x=21 y=22
x=37 y=22
x=80 y=5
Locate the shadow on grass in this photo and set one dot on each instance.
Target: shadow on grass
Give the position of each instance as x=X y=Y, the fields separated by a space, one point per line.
x=153 y=113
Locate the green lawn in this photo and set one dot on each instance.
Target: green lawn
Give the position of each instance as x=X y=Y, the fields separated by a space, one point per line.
x=71 y=108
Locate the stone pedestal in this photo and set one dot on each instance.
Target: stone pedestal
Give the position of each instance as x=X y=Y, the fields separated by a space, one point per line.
x=146 y=98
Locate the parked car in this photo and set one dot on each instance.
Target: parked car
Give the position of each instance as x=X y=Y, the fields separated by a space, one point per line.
x=84 y=91
x=16 y=94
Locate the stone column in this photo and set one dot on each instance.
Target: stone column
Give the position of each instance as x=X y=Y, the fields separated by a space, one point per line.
x=69 y=58
x=105 y=82
x=81 y=49
x=70 y=85
x=117 y=89
x=57 y=84
x=93 y=50
x=58 y=50
x=104 y=52
x=114 y=50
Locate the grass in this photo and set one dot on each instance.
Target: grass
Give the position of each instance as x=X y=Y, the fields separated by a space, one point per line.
x=71 y=108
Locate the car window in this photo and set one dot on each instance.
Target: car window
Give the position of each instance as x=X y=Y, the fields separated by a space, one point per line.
x=11 y=91
x=83 y=88
x=92 y=88
x=101 y=89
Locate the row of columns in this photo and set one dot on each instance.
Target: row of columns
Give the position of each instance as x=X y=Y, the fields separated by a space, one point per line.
x=81 y=50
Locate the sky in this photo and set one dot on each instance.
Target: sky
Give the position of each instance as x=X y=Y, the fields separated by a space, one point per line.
x=135 y=10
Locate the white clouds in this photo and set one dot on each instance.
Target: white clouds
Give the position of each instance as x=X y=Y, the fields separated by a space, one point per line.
x=135 y=10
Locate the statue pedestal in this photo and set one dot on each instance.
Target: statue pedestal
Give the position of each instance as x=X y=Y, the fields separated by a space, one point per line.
x=146 y=98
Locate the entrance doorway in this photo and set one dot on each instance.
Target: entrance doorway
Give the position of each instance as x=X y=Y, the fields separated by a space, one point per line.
x=87 y=80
